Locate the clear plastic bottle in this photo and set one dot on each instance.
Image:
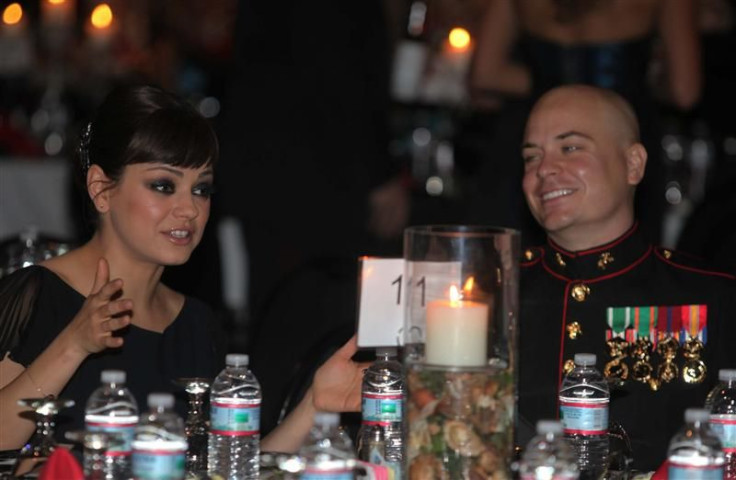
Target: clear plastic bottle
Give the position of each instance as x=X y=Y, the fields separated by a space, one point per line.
x=235 y=421
x=549 y=456
x=328 y=452
x=160 y=443
x=584 y=399
x=721 y=403
x=112 y=409
x=695 y=452
x=384 y=397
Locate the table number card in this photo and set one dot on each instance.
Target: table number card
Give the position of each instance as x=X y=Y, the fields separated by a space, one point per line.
x=381 y=302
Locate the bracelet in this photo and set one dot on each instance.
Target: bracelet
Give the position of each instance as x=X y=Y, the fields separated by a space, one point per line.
x=33 y=382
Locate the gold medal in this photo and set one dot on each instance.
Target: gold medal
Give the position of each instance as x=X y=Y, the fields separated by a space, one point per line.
x=616 y=370
x=580 y=292
x=642 y=370
x=694 y=369
x=667 y=349
x=574 y=330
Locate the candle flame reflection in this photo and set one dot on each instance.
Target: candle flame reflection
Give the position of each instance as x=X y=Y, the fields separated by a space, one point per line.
x=455 y=296
x=469 y=284
x=12 y=14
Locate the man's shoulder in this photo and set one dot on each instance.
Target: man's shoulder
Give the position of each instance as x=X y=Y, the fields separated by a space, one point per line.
x=688 y=265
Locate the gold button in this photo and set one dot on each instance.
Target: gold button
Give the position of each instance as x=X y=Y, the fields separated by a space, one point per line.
x=529 y=255
x=568 y=366
x=574 y=330
x=667 y=253
x=580 y=292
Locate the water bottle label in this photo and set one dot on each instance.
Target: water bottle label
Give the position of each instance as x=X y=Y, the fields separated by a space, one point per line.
x=381 y=409
x=584 y=417
x=318 y=474
x=689 y=472
x=160 y=463
x=123 y=426
x=235 y=417
x=725 y=427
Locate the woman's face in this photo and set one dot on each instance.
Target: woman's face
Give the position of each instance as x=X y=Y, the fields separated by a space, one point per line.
x=157 y=212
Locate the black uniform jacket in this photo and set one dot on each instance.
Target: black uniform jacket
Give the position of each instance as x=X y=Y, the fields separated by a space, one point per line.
x=574 y=302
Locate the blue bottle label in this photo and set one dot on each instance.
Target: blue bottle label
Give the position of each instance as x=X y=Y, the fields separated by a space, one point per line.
x=164 y=461
x=584 y=417
x=235 y=417
x=382 y=409
x=123 y=426
x=688 y=472
x=318 y=474
x=725 y=427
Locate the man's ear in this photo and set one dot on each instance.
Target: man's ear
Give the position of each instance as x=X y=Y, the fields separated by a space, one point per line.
x=636 y=162
x=98 y=184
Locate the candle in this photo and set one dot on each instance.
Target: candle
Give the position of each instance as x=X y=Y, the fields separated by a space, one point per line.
x=100 y=26
x=57 y=12
x=457 y=332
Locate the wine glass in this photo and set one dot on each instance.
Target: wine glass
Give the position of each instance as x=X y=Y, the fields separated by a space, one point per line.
x=196 y=425
x=95 y=444
x=42 y=443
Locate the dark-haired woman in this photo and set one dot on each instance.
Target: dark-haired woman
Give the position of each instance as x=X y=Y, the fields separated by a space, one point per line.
x=146 y=162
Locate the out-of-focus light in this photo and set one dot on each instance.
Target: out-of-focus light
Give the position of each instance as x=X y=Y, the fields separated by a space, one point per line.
x=101 y=16
x=434 y=186
x=12 y=14
x=459 y=38
x=56 y=2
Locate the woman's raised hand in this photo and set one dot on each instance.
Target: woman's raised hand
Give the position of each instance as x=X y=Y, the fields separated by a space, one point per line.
x=338 y=381
x=103 y=313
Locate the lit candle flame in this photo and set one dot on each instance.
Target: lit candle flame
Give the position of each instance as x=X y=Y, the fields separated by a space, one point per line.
x=56 y=2
x=455 y=296
x=101 y=16
x=469 y=284
x=459 y=38
x=12 y=14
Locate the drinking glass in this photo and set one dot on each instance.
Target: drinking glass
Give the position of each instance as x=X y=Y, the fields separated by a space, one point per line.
x=42 y=443
x=196 y=424
x=95 y=445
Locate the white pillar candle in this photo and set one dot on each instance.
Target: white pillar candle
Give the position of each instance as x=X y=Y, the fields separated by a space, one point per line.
x=457 y=333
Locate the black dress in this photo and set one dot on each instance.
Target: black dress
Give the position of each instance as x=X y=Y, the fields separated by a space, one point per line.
x=575 y=302
x=36 y=305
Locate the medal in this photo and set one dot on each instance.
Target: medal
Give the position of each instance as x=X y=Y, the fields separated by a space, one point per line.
x=694 y=369
x=616 y=370
x=667 y=349
x=642 y=369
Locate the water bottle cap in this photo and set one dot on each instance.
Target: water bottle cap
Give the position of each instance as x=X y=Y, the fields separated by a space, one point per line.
x=165 y=400
x=585 y=359
x=236 y=360
x=549 y=426
x=327 y=419
x=112 y=376
x=726 y=375
x=697 y=415
x=390 y=351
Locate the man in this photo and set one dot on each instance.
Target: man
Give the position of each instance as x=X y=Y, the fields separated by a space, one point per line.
x=661 y=326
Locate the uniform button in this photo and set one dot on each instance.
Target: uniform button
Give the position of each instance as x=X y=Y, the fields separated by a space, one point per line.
x=574 y=330
x=559 y=260
x=580 y=292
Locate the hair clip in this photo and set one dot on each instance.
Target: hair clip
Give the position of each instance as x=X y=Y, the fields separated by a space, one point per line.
x=84 y=147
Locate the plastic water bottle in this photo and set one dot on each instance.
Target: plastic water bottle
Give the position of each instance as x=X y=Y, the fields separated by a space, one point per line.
x=384 y=394
x=327 y=452
x=235 y=421
x=160 y=443
x=695 y=452
x=721 y=403
x=549 y=456
x=112 y=409
x=584 y=399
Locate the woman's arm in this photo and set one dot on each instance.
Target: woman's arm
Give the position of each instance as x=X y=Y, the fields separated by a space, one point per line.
x=336 y=388
x=89 y=331
x=681 y=44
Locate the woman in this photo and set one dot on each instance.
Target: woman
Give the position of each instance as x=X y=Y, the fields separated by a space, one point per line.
x=147 y=164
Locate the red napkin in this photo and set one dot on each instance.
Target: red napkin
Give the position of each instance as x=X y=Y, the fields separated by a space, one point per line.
x=61 y=465
x=661 y=473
